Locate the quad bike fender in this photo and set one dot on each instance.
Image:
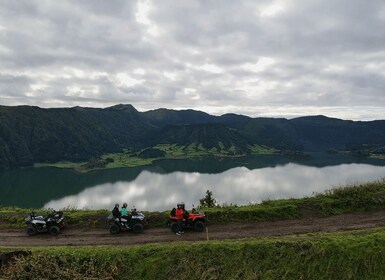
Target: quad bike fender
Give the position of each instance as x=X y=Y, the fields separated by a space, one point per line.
x=196 y=217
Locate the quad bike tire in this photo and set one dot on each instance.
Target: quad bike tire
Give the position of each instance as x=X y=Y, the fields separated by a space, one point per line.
x=199 y=226
x=114 y=229
x=54 y=230
x=137 y=228
x=174 y=227
x=31 y=231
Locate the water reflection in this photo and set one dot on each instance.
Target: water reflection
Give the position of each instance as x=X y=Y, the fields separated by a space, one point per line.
x=155 y=191
x=162 y=184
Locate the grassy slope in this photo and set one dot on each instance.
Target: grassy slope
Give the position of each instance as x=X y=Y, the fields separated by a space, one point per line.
x=347 y=199
x=352 y=255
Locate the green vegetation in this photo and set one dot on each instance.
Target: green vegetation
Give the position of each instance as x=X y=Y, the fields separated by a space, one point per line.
x=62 y=164
x=13 y=217
x=208 y=201
x=346 y=199
x=149 y=155
x=30 y=135
x=365 y=150
x=348 y=255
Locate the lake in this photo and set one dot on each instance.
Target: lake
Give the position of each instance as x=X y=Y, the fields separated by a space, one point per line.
x=161 y=185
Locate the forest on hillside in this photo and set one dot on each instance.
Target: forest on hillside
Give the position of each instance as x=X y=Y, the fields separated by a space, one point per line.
x=30 y=134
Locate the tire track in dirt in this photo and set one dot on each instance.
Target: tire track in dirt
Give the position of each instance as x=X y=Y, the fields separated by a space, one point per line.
x=81 y=237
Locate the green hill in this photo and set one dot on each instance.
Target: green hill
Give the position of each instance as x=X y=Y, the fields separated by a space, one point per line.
x=209 y=136
x=31 y=134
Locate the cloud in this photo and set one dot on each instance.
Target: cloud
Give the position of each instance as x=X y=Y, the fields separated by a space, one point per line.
x=276 y=58
x=154 y=192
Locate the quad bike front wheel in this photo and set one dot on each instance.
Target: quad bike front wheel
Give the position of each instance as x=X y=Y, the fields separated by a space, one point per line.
x=137 y=228
x=199 y=226
x=31 y=231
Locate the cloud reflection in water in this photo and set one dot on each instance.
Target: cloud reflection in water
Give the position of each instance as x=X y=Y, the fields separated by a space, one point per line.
x=152 y=191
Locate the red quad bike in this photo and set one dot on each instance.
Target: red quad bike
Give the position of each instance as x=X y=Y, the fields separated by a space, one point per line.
x=194 y=220
x=53 y=223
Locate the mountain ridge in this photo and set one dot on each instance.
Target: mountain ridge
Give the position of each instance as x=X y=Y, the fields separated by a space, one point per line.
x=30 y=134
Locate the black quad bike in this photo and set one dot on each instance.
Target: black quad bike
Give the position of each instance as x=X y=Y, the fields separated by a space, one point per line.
x=53 y=223
x=133 y=222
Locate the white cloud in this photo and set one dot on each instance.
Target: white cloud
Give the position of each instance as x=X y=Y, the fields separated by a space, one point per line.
x=142 y=16
x=211 y=68
x=82 y=91
x=139 y=71
x=289 y=55
x=170 y=75
x=191 y=93
x=142 y=12
x=273 y=9
x=334 y=68
x=262 y=64
x=123 y=79
x=154 y=192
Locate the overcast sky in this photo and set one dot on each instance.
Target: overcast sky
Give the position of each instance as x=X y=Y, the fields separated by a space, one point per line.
x=280 y=58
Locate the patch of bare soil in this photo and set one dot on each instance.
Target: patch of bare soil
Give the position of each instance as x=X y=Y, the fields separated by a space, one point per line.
x=78 y=237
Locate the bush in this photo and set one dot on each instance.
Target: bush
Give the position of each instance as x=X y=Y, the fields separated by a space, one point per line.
x=208 y=201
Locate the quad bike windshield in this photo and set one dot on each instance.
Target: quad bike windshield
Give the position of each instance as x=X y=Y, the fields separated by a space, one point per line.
x=54 y=216
x=34 y=217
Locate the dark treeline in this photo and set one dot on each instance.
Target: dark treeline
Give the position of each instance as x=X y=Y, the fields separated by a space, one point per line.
x=32 y=134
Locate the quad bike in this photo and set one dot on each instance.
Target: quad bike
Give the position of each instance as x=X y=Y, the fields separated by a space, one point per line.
x=194 y=220
x=53 y=223
x=133 y=222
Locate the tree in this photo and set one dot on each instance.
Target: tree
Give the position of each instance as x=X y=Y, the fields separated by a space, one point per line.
x=208 y=201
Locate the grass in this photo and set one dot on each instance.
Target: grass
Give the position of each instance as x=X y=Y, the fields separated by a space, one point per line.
x=13 y=217
x=129 y=158
x=378 y=156
x=62 y=164
x=348 y=255
x=345 y=199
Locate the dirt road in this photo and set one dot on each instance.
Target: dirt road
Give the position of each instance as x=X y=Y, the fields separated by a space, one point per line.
x=77 y=237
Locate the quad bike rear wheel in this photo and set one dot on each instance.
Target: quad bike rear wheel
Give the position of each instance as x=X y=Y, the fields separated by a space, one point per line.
x=54 y=230
x=114 y=229
x=174 y=227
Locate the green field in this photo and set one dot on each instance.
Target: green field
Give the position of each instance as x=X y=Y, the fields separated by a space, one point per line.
x=349 y=255
x=129 y=158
